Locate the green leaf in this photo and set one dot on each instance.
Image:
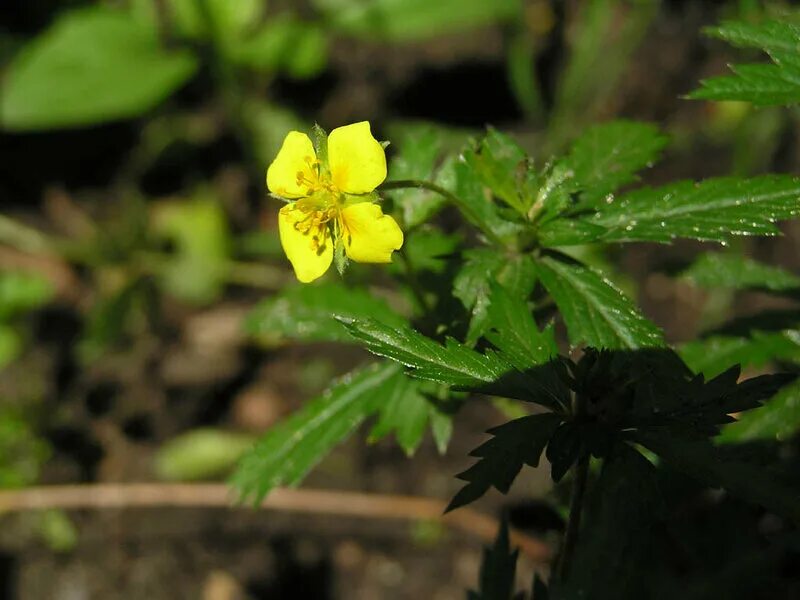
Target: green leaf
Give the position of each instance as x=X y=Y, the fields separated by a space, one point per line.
x=21 y=292
x=713 y=210
x=419 y=148
x=201 y=234
x=596 y=313
x=608 y=156
x=427 y=249
x=624 y=505
x=308 y=313
x=715 y=270
x=498 y=569
x=714 y=355
x=93 y=65
x=513 y=331
x=501 y=165
x=231 y=20
x=777 y=419
x=410 y=20
x=405 y=412
x=515 y=444
x=10 y=344
x=760 y=84
x=481 y=267
x=201 y=454
x=475 y=202
x=291 y=449
x=716 y=467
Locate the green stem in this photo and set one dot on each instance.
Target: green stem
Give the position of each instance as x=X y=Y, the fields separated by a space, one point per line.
x=402 y=184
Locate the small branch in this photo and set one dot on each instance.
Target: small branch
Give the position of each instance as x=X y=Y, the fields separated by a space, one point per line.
x=403 y=184
x=307 y=501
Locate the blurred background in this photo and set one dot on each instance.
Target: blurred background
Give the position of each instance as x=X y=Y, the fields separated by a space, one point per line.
x=137 y=239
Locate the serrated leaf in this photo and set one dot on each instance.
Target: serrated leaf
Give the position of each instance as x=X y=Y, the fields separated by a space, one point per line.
x=713 y=210
x=760 y=84
x=595 y=311
x=92 y=66
x=405 y=411
x=777 y=419
x=291 y=449
x=608 y=156
x=498 y=569
x=476 y=204
x=480 y=268
x=715 y=354
x=715 y=270
x=515 y=444
x=513 y=331
x=307 y=313
x=458 y=365
x=501 y=165
x=714 y=466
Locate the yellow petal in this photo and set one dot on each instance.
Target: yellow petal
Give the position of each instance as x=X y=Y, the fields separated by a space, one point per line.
x=310 y=259
x=369 y=235
x=357 y=160
x=295 y=156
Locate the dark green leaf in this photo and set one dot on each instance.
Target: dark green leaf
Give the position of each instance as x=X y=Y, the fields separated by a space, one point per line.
x=564 y=449
x=291 y=449
x=516 y=443
x=712 y=210
x=514 y=332
x=93 y=65
x=777 y=419
x=715 y=270
x=596 y=312
x=713 y=355
x=498 y=569
x=481 y=267
x=307 y=312
x=712 y=465
x=608 y=156
x=761 y=84
x=624 y=505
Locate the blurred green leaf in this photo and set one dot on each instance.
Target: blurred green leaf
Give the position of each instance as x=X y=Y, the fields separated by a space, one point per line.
x=481 y=267
x=20 y=292
x=308 y=312
x=409 y=20
x=713 y=210
x=58 y=531
x=596 y=313
x=230 y=19
x=714 y=270
x=498 y=569
x=608 y=156
x=515 y=444
x=291 y=449
x=10 y=344
x=22 y=451
x=761 y=84
x=199 y=230
x=268 y=125
x=93 y=65
x=427 y=249
x=201 y=454
x=777 y=419
x=285 y=44
x=714 y=355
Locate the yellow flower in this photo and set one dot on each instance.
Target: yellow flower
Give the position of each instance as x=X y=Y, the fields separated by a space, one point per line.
x=331 y=204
